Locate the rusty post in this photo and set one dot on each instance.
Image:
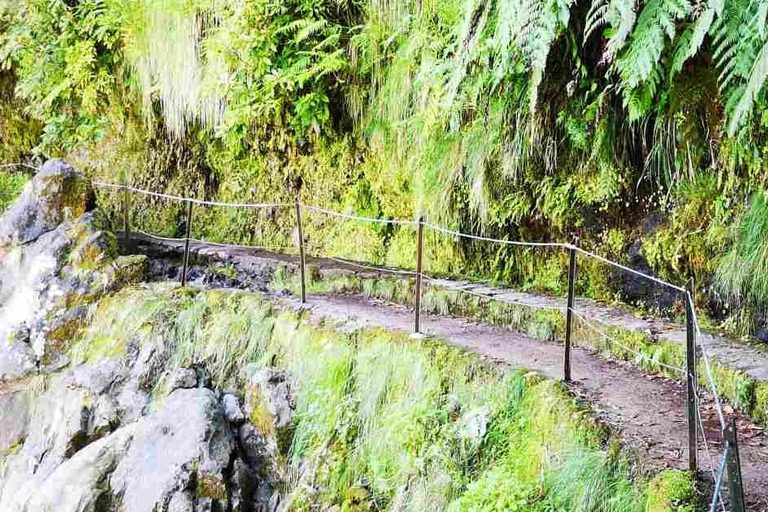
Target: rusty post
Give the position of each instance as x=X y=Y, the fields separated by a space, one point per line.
x=302 y=259
x=569 y=312
x=419 y=259
x=186 y=245
x=735 y=484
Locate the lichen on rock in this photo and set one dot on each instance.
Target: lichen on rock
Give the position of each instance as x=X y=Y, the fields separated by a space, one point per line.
x=56 y=259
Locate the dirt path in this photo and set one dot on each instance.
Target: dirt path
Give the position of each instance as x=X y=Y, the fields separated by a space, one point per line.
x=647 y=410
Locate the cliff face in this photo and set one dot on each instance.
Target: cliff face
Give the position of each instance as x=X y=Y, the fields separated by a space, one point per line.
x=84 y=434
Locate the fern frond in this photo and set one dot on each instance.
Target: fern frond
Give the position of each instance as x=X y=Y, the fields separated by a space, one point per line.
x=693 y=37
x=655 y=23
x=623 y=21
x=597 y=17
x=757 y=78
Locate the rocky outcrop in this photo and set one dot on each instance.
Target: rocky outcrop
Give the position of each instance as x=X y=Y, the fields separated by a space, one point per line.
x=55 y=259
x=57 y=194
x=133 y=431
x=178 y=457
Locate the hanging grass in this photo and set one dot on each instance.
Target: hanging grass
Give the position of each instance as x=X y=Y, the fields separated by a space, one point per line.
x=387 y=423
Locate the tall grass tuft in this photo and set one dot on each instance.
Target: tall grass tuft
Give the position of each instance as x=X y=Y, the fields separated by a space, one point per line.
x=382 y=422
x=743 y=272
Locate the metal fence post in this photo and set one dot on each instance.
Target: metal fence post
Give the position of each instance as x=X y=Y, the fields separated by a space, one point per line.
x=690 y=360
x=735 y=485
x=419 y=257
x=186 y=245
x=302 y=260
x=569 y=312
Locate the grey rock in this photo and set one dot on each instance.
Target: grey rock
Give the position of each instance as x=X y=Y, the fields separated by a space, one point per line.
x=14 y=418
x=57 y=429
x=78 y=484
x=182 y=501
x=232 y=410
x=56 y=194
x=97 y=378
x=260 y=452
x=274 y=390
x=184 y=378
x=187 y=442
x=17 y=359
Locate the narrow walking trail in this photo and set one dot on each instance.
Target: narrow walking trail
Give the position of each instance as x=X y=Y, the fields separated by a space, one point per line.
x=648 y=411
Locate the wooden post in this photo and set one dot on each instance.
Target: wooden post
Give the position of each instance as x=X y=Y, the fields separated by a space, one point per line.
x=126 y=213
x=569 y=312
x=735 y=484
x=419 y=259
x=186 y=245
x=302 y=260
x=690 y=364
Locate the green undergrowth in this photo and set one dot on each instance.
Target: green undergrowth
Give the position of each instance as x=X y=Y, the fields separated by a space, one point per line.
x=11 y=184
x=746 y=394
x=383 y=422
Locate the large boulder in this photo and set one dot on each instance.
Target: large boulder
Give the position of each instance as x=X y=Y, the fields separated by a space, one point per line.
x=80 y=484
x=178 y=456
x=56 y=194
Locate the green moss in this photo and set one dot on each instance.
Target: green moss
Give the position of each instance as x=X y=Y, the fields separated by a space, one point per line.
x=760 y=409
x=11 y=185
x=211 y=486
x=671 y=491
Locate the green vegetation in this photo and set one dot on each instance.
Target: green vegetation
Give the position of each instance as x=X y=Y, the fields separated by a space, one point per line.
x=743 y=392
x=10 y=187
x=599 y=122
x=389 y=423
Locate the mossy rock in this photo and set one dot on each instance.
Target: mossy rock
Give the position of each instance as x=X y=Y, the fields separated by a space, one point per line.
x=671 y=491
x=56 y=194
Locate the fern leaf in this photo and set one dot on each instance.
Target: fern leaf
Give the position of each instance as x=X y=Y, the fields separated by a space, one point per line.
x=647 y=44
x=596 y=17
x=693 y=37
x=757 y=78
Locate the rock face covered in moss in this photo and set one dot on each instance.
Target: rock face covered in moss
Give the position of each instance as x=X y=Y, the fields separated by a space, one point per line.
x=55 y=257
x=89 y=434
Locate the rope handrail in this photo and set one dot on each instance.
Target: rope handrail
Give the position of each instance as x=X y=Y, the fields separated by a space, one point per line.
x=208 y=242
x=495 y=240
x=630 y=270
x=366 y=267
x=189 y=199
x=638 y=354
x=707 y=367
x=428 y=225
x=20 y=164
x=707 y=450
x=357 y=217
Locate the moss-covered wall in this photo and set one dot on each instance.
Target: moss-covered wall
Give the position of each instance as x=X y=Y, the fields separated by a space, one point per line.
x=392 y=423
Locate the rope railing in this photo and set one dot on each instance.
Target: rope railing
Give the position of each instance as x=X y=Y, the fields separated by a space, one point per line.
x=622 y=346
x=694 y=337
x=28 y=167
x=215 y=244
x=189 y=199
